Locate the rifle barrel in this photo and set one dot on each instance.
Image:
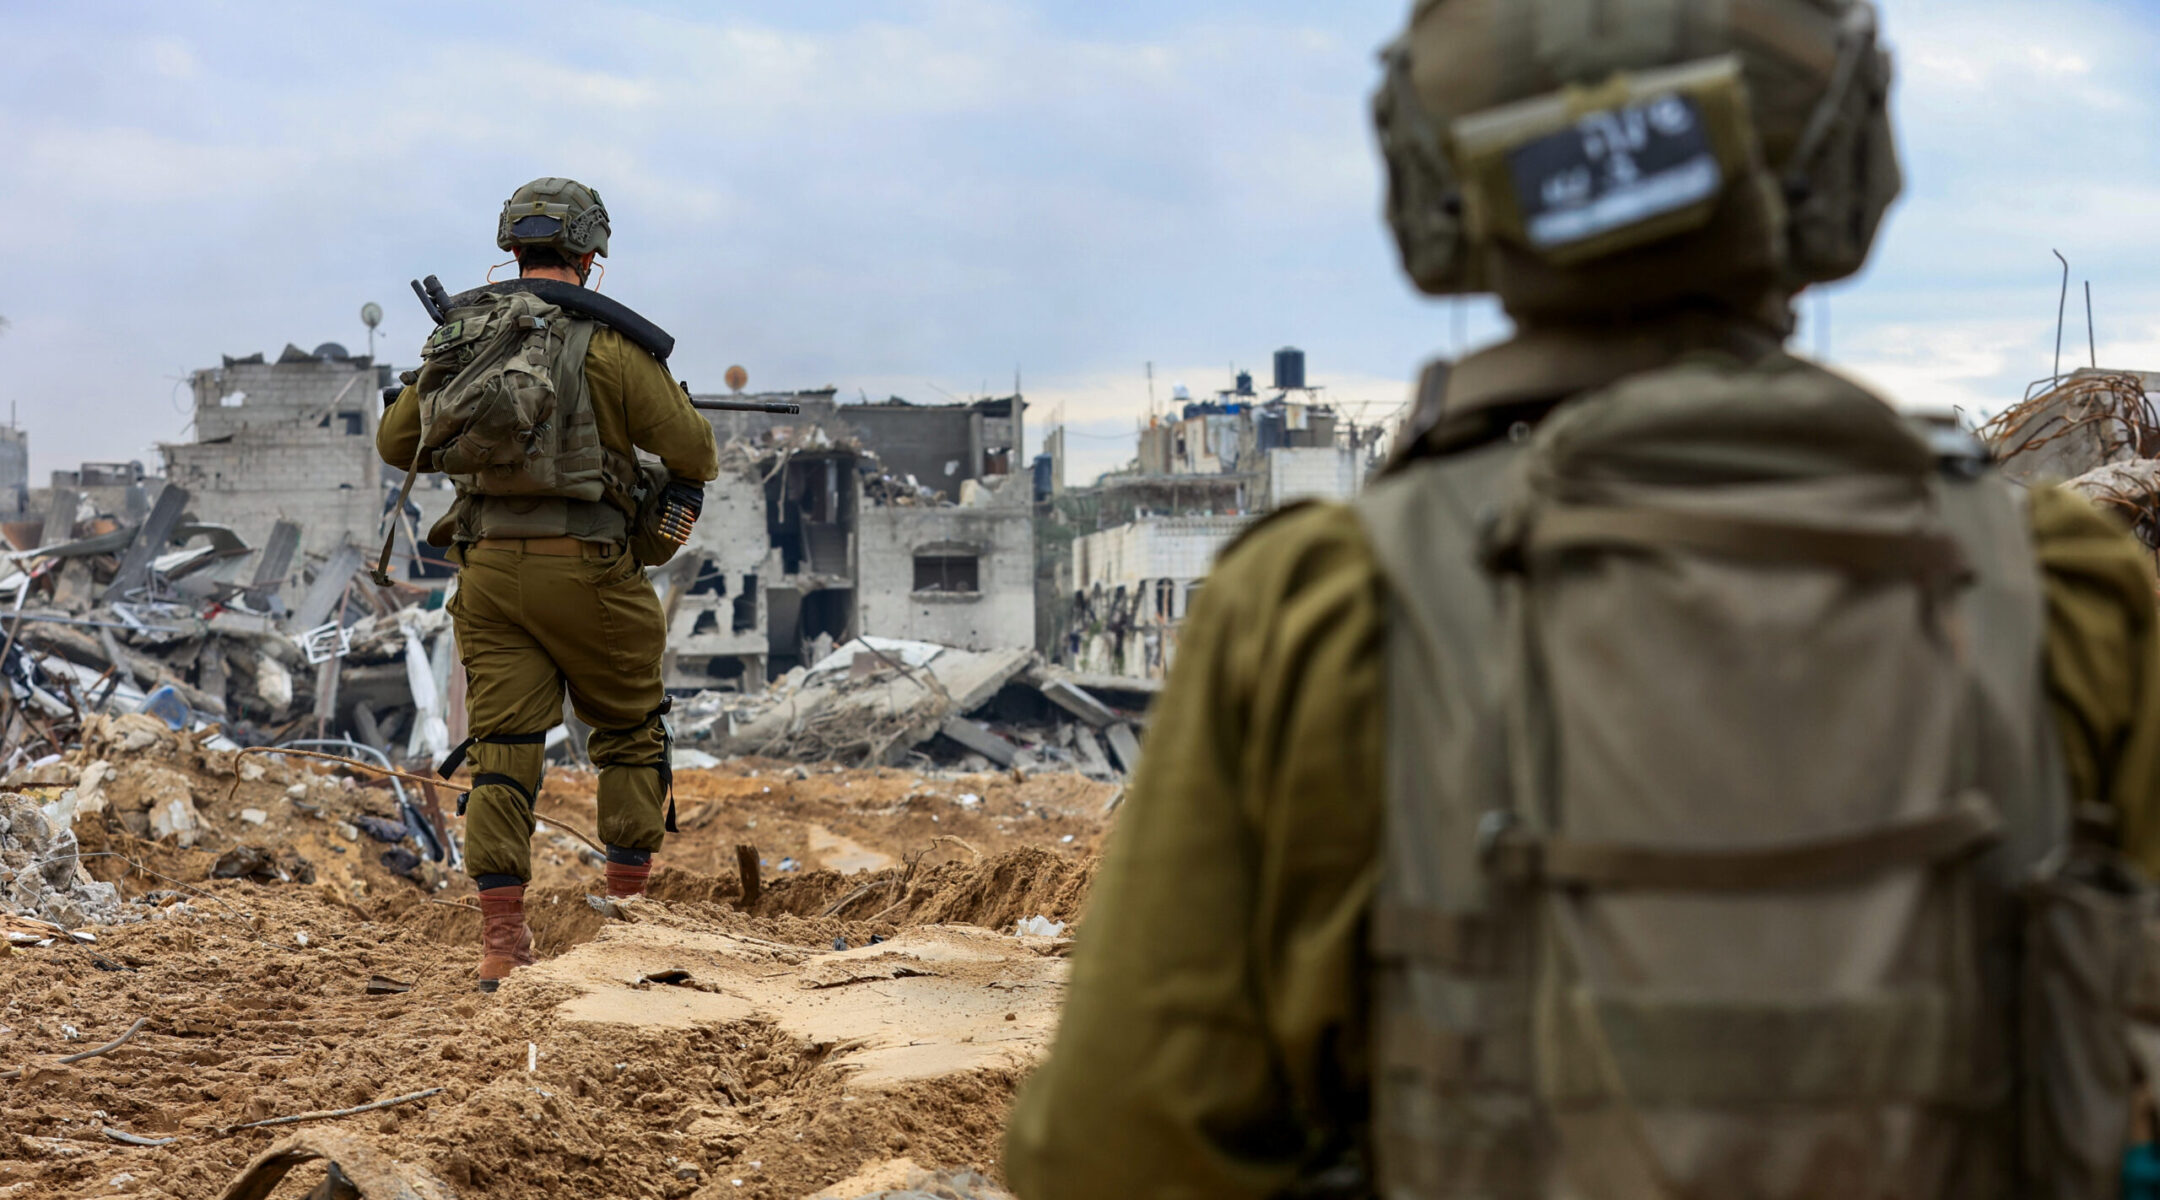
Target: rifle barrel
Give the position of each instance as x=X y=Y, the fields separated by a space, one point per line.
x=757 y=406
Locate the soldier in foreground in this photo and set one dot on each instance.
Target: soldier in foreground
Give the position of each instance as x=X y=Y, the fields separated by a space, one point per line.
x=1642 y=790
x=535 y=410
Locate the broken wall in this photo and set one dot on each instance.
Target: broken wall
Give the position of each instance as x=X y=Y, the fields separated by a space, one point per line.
x=292 y=440
x=961 y=576
x=717 y=630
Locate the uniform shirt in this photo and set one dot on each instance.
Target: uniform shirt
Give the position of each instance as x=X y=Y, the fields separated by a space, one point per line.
x=636 y=403
x=1214 y=1039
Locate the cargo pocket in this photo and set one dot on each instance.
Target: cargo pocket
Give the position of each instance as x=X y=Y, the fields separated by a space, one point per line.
x=631 y=623
x=2091 y=1018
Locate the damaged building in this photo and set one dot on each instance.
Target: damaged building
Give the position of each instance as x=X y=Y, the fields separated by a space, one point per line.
x=890 y=519
x=1146 y=537
x=286 y=440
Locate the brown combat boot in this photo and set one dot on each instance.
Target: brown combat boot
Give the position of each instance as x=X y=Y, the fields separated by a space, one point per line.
x=505 y=939
x=625 y=880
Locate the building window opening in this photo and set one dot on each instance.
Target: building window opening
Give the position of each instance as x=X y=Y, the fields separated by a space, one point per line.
x=745 y=615
x=348 y=423
x=710 y=580
x=947 y=573
x=707 y=622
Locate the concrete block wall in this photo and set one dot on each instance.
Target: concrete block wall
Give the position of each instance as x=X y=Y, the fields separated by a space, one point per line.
x=322 y=480
x=1180 y=548
x=1311 y=473
x=1000 y=615
x=248 y=396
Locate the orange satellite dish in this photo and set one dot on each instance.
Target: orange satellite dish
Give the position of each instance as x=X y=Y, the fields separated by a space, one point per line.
x=736 y=378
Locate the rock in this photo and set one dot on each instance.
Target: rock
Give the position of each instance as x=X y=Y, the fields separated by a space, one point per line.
x=254 y=816
x=175 y=817
x=379 y=829
x=273 y=684
x=40 y=875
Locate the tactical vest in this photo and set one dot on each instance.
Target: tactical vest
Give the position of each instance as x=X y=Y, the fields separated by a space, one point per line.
x=1719 y=761
x=574 y=485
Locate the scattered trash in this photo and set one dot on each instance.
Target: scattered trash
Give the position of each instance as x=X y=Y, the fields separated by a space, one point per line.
x=1038 y=927
x=383 y=985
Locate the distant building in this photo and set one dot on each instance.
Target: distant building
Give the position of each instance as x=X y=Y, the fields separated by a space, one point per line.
x=14 y=472
x=1147 y=537
x=291 y=440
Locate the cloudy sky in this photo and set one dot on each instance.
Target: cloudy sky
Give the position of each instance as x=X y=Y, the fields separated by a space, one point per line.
x=925 y=199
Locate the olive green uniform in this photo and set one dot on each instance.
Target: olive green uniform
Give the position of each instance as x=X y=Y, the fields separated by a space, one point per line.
x=530 y=624
x=1215 y=1038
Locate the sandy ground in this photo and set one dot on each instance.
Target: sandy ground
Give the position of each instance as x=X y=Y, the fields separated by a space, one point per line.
x=675 y=1046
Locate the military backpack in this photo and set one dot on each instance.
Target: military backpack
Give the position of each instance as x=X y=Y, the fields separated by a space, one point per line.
x=1728 y=848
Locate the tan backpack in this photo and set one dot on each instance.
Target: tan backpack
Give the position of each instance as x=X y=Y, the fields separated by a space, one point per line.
x=1719 y=770
x=504 y=405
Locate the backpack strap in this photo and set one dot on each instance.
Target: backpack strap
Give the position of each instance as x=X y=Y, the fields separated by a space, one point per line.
x=381 y=573
x=1972 y=825
x=1934 y=558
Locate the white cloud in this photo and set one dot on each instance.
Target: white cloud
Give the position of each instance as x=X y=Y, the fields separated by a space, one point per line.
x=174 y=59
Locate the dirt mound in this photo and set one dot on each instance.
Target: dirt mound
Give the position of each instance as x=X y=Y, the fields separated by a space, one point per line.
x=780 y=1058
x=246 y=1022
x=992 y=892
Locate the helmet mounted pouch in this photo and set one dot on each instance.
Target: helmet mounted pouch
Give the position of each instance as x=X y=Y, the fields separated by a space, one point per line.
x=1424 y=199
x=1587 y=172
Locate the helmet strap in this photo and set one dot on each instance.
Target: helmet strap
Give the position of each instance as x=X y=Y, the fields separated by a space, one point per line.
x=509 y=262
x=593 y=264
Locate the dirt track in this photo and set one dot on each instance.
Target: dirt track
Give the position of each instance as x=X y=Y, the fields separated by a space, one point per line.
x=771 y=1058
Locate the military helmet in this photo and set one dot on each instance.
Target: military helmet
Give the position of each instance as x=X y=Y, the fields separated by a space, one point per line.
x=562 y=213
x=1587 y=158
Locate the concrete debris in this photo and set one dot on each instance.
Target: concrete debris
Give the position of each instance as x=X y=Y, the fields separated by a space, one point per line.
x=873 y=701
x=2096 y=432
x=41 y=875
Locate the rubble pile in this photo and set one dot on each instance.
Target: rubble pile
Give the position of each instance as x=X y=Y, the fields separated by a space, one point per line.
x=184 y=620
x=2096 y=433
x=883 y=701
x=41 y=873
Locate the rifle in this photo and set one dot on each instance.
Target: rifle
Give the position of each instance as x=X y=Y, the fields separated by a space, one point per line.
x=763 y=406
x=654 y=340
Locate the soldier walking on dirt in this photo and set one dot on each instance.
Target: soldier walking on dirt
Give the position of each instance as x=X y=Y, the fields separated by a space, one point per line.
x=549 y=592
x=1658 y=783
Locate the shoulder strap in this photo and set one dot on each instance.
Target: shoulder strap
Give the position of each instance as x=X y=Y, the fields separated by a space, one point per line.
x=586 y=303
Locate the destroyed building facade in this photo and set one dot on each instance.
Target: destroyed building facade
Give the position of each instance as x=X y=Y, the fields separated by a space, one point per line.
x=892 y=519
x=286 y=440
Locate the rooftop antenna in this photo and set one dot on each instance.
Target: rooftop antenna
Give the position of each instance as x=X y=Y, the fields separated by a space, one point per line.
x=371 y=316
x=1151 y=389
x=2060 y=300
x=2092 y=348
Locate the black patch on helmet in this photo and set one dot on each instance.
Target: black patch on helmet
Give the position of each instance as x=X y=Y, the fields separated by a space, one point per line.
x=535 y=226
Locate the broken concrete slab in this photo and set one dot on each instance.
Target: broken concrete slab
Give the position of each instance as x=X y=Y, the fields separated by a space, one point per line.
x=1078 y=701
x=150 y=542
x=1093 y=763
x=1126 y=746
x=979 y=739
x=876 y=719
x=329 y=586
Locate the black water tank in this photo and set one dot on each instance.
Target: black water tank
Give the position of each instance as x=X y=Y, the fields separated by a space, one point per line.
x=1244 y=383
x=1289 y=367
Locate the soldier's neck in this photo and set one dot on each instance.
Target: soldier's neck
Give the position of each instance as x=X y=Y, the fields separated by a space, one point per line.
x=558 y=274
x=1549 y=360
